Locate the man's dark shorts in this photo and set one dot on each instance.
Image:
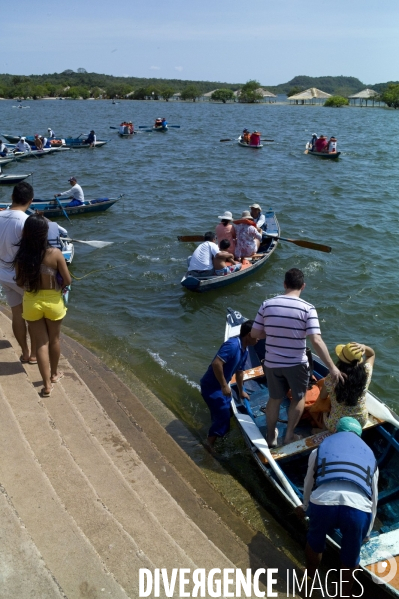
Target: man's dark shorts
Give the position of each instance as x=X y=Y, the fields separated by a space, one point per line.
x=279 y=380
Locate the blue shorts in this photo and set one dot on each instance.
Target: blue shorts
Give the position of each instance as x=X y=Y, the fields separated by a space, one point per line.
x=219 y=407
x=353 y=524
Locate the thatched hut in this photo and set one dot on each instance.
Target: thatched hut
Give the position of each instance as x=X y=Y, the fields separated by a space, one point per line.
x=364 y=96
x=311 y=95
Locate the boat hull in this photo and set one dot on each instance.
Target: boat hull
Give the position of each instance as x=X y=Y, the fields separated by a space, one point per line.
x=292 y=458
x=244 y=145
x=328 y=156
x=12 y=179
x=267 y=248
x=160 y=129
x=52 y=209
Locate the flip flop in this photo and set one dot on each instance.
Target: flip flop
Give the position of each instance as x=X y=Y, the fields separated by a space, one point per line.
x=47 y=393
x=32 y=361
x=58 y=378
x=23 y=361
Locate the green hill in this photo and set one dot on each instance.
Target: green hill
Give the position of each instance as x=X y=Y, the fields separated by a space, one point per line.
x=338 y=86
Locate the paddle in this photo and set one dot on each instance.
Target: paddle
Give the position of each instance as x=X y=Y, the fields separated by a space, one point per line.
x=144 y=126
x=63 y=210
x=174 y=126
x=380 y=410
x=94 y=244
x=254 y=434
x=114 y=127
x=305 y=244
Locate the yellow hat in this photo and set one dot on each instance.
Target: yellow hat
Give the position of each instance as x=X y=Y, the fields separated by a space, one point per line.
x=349 y=353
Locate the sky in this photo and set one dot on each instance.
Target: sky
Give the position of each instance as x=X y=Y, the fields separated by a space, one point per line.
x=231 y=41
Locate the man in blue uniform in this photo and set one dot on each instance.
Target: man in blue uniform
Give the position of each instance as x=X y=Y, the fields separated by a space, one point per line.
x=344 y=472
x=215 y=389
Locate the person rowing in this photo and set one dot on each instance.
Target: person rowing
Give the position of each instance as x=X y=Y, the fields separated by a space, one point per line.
x=75 y=193
x=22 y=146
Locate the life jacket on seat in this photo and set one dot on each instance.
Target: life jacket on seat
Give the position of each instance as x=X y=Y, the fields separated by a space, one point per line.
x=344 y=456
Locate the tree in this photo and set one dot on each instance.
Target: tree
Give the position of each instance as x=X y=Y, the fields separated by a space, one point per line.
x=81 y=70
x=167 y=93
x=294 y=90
x=222 y=95
x=336 y=101
x=140 y=93
x=191 y=92
x=249 y=93
x=391 y=95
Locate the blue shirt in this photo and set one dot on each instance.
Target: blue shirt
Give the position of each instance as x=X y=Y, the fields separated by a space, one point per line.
x=233 y=357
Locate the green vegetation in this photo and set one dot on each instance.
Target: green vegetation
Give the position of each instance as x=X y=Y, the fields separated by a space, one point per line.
x=339 y=86
x=294 y=90
x=391 y=95
x=222 y=95
x=191 y=92
x=336 y=101
x=248 y=94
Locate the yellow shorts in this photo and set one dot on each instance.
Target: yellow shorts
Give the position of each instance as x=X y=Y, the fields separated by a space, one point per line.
x=46 y=303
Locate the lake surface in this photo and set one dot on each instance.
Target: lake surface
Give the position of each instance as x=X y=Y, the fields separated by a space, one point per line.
x=133 y=306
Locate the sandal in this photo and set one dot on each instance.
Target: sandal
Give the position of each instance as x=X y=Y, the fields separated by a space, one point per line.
x=46 y=393
x=23 y=361
x=57 y=378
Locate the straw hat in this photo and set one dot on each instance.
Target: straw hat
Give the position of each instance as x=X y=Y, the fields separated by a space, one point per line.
x=246 y=214
x=349 y=353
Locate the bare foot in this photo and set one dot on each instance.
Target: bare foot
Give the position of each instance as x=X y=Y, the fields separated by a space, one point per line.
x=273 y=442
x=292 y=439
x=55 y=378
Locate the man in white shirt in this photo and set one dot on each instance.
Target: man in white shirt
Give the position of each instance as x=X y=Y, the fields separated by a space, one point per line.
x=50 y=133
x=76 y=193
x=3 y=148
x=201 y=262
x=259 y=218
x=340 y=492
x=22 y=145
x=11 y=226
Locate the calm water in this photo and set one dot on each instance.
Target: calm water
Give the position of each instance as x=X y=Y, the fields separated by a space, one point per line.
x=178 y=183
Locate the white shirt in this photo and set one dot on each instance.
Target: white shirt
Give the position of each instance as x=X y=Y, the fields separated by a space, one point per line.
x=11 y=227
x=23 y=146
x=76 y=192
x=260 y=221
x=339 y=492
x=51 y=133
x=202 y=259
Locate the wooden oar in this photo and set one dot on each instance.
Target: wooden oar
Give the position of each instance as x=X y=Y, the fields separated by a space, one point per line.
x=62 y=208
x=304 y=244
x=254 y=434
x=174 y=126
x=190 y=238
x=94 y=244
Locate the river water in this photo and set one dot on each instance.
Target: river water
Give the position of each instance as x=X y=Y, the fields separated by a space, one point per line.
x=133 y=307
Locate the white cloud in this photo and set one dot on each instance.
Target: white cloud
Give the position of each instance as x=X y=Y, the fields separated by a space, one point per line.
x=178 y=68
x=155 y=68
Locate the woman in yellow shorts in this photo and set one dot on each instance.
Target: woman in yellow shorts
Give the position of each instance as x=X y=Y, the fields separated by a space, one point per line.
x=37 y=267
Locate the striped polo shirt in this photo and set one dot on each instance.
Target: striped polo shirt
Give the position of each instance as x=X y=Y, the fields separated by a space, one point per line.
x=286 y=320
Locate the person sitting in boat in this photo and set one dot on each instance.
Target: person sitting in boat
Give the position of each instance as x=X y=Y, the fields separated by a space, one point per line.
x=38 y=142
x=22 y=145
x=215 y=390
x=55 y=232
x=347 y=398
x=245 y=136
x=255 y=139
x=225 y=229
x=130 y=127
x=258 y=217
x=122 y=128
x=46 y=142
x=313 y=142
x=200 y=264
x=248 y=236
x=321 y=144
x=223 y=262
x=50 y=133
x=3 y=149
x=76 y=193
x=91 y=139
x=158 y=123
x=332 y=145
x=340 y=491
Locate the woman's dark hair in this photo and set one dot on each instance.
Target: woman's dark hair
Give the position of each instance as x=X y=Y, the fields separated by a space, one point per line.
x=352 y=389
x=32 y=247
x=225 y=222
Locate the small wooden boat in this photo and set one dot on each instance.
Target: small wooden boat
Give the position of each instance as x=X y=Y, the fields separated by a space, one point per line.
x=78 y=143
x=70 y=142
x=13 y=139
x=250 y=265
x=12 y=179
x=328 y=155
x=380 y=433
x=245 y=145
x=52 y=208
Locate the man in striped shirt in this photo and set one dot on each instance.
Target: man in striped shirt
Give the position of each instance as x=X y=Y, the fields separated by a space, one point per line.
x=285 y=321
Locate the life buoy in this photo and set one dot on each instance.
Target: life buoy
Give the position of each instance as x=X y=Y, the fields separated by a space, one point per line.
x=56 y=142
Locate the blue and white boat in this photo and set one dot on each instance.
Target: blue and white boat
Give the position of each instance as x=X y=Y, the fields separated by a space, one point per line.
x=57 y=207
x=287 y=468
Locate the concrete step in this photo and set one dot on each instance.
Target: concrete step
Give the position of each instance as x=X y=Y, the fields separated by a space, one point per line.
x=94 y=510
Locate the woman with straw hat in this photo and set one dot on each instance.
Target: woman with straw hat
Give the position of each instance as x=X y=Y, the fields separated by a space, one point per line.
x=225 y=230
x=355 y=361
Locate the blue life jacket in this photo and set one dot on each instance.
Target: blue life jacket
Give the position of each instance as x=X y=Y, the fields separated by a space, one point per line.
x=344 y=456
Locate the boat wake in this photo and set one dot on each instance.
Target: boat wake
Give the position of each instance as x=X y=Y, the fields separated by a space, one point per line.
x=157 y=358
